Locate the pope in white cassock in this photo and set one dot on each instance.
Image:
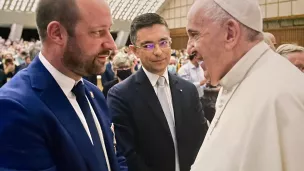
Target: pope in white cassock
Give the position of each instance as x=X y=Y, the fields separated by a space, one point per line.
x=259 y=123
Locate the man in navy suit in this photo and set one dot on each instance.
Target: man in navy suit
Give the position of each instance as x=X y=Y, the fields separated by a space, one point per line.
x=108 y=75
x=51 y=118
x=158 y=117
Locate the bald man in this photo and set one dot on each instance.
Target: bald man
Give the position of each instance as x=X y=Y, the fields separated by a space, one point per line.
x=51 y=118
x=269 y=41
x=271 y=37
x=259 y=111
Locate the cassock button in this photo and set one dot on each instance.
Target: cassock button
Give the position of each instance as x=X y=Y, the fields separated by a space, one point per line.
x=225 y=91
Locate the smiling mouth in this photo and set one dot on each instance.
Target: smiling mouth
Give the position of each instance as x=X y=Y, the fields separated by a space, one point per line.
x=194 y=54
x=103 y=54
x=159 y=60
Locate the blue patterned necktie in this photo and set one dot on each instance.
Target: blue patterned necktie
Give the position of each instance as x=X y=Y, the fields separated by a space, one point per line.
x=79 y=91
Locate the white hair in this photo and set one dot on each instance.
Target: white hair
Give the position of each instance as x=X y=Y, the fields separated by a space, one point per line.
x=132 y=57
x=218 y=15
x=286 y=49
x=121 y=59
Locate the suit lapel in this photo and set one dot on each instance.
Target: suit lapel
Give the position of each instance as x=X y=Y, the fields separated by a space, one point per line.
x=105 y=124
x=55 y=99
x=146 y=91
x=177 y=96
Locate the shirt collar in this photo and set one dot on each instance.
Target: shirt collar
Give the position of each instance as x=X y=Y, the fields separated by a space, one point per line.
x=241 y=68
x=66 y=83
x=154 y=77
x=191 y=65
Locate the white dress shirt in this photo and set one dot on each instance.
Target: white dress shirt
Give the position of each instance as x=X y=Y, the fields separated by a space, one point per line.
x=66 y=84
x=193 y=74
x=258 y=125
x=153 y=80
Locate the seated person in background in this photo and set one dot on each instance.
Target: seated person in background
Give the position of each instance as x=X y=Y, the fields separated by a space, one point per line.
x=108 y=75
x=4 y=56
x=123 y=67
x=294 y=53
x=268 y=39
x=9 y=67
x=20 y=58
x=193 y=72
x=172 y=65
x=210 y=95
x=27 y=62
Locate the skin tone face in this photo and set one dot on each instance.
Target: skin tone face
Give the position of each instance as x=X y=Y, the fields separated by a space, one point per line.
x=8 y=56
x=221 y=44
x=85 y=52
x=297 y=58
x=207 y=39
x=156 y=60
x=28 y=60
x=172 y=61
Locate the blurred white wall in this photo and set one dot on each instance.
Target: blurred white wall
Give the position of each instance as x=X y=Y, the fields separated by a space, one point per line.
x=28 y=20
x=175 y=11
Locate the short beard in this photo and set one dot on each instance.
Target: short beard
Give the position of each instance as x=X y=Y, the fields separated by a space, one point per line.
x=77 y=62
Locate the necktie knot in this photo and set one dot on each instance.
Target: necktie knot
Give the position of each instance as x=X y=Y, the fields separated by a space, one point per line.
x=161 y=81
x=79 y=89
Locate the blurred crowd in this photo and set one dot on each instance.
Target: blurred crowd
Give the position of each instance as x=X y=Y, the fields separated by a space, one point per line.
x=15 y=56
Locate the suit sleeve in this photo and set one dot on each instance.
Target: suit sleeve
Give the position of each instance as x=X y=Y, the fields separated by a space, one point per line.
x=124 y=131
x=22 y=142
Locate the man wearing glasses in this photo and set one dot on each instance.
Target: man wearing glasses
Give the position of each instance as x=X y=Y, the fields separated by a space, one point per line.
x=158 y=118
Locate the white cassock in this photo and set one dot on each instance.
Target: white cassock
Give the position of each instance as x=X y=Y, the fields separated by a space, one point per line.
x=259 y=123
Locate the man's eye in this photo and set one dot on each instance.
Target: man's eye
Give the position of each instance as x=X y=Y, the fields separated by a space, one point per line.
x=193 y=35
x=148 y=46
x=163 y=43
x=98 y=33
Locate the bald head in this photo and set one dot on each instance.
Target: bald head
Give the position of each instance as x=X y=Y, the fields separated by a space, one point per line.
x=66 y=12
x=267 y=39
x=271 y=37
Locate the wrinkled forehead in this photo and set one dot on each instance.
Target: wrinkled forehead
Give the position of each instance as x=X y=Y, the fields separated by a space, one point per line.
x=196 y=15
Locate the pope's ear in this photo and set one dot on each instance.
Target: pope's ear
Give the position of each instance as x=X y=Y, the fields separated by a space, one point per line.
x=233 y=32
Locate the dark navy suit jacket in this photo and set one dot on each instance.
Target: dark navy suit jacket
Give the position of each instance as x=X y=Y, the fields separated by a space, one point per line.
x=39 y=129
x=108 y=75
x=142 y=131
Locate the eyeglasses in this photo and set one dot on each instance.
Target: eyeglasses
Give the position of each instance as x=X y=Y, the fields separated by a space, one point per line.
x=151 y=46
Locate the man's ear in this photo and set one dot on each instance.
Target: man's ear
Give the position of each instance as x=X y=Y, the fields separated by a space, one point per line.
x=233 y=33
x=57 y=33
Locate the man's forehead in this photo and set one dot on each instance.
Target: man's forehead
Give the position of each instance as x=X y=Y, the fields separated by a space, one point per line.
x=152 y=33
